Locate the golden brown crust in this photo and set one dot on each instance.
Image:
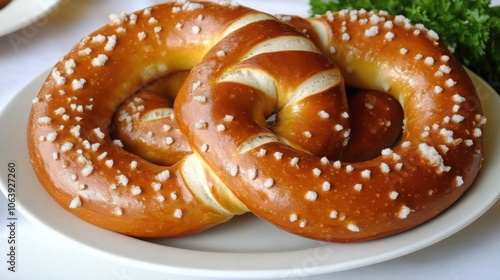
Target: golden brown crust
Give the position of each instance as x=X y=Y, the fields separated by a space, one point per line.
x=376 y=121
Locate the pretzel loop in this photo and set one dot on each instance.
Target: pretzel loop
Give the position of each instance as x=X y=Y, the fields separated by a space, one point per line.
x=92 y=174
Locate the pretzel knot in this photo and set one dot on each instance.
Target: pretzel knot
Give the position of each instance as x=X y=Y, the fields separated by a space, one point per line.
x=264 y=118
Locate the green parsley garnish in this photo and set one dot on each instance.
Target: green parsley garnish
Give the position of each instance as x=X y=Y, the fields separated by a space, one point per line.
x=470 y=28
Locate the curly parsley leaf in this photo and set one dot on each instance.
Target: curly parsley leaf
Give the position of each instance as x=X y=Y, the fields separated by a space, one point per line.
x=470 y=28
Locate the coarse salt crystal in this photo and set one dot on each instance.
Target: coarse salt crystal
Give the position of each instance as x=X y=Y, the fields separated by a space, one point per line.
x=450 y=82
x=372 y=31
x=323 y=114
x=169 y=140
x=136 y=190
x=196 y=29
x=200 y=98
x=366 y=174
x=404 y=212
x=393 y=195
x=133 y=19
x=116 y=19
x=201 y=124
x=87 y=170
x=278 y=155
x=389 y=36
x=252 y=173
x=388 y=24
x=110 y=45
x=353 y=227
x=122 y=180
x=156 y=186
x=99 y=38
x=77 y=84
x=269 y=183
x=204 y=148
x=232 y=169
x=118 y=212
x=98 y=132
x=457 y=118
x=349 y=168
x=44 y=120
x=100 y=60
x=178 y=213
x=173 y=195
x=85 y=51
x=334 y=214
x=141 y=35
x=163 y=176
x=311 y=195
x=385 y=168
x=478 y=132
x=75 y=203
x=66 y=147
x=458 y=98
x=133 y=165
x=51 y=137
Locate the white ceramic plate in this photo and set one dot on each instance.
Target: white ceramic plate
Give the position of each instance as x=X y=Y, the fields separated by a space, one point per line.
x=246 y=246
x=21 y=13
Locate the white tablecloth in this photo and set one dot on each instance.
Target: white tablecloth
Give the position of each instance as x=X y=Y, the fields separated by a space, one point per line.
x=470 y=254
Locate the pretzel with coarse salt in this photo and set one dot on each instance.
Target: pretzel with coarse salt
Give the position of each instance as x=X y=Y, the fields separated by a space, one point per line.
x=90 y=174
x=433 y=164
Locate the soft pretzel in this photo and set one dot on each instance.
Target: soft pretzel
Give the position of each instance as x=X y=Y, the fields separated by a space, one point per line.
x=434 y=163
x=90 y=174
